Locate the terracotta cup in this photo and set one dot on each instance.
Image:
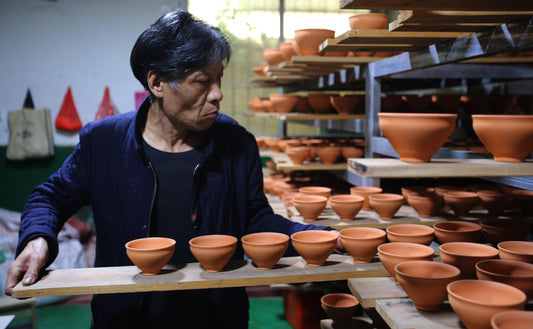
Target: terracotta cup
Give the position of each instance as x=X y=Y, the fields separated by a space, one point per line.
x=386 y=204
x=298 y=154
x=310 y=206
x=284 y=103
x=213 y=251
x=371 y=21
x=497 y=230
x=329 y=154
x=346 y=205
x=524 y=200
x=511 y=272
x=320 y=103
x=415 y=233
x=315 y=190
x=476 y=301
x=461 y=202
x=416 y=137
x=345 y=104
x=465 y=255
x=425 y=204
x=287 y=51
x=307 y=41
x=340 y=308
x=425 y=282
x=512 y=320
x=365 y=191
x=362 y=242
x=314 y=246
x=273 y=56
x=495 y=201
x=394 y=253
x=457 y=231
x=516 y=250
x=265 y=248
x=150 y=254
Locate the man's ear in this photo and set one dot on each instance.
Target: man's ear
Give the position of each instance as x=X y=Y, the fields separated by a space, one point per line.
x=155 y=84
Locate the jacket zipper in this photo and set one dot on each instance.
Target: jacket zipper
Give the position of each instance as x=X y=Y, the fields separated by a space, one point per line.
x=195 y=198
x=153 y=198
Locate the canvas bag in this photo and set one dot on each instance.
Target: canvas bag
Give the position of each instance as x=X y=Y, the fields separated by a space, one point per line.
x=30 y=134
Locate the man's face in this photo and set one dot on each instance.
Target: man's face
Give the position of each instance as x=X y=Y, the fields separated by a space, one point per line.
x=194 y=102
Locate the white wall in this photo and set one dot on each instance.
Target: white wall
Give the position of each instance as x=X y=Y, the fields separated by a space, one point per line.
x=48 y=46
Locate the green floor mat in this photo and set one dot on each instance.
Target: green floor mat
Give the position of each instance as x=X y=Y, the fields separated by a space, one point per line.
x=267 y=313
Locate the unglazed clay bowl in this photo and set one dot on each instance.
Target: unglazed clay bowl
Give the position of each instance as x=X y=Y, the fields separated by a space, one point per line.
x=425 y=282
x=425 y=204
x=372 y=21
x=340 y=308
x=497 y=230
x=287 y=51
x=507 y=137
x=465 y=255
x=362 y=242
x=394 y=253
x=328 y=154
x=512 y=320
x=346 y=205
x=511 y=272
x=414 y=233
x=461 y=202
x=386 y=205
x=524 y=200
x=213 y=251
x=516 y=250
x=150 y=254
x=416 y=137
x=457 y=231
x=495 y=201
x=273 y=56
x=315 y=190
x=314 y=246
x=298 y=154
x=349 y=152
x=284 y=103
x=307 y=41
x=345 y=104
x=310 y=206
x=265 y=248
x=365 y=191
x=320 y=103
x=476 y=301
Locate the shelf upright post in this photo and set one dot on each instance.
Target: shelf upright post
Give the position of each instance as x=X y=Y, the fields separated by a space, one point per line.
x=372 y=106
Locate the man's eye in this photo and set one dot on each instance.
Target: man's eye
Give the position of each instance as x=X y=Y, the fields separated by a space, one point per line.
x=203 y=82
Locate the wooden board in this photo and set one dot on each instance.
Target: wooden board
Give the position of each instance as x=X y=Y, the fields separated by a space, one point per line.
x=460 y=17
x=331 y=45
x=368 y=290
x=395 y=168
x=369 y=218
x=387 y=37
x=396 y=27
x=307 y=116
x=283 y=162
x=402 y=314
x=344 y=62
x=485 y=5
x=124 y=279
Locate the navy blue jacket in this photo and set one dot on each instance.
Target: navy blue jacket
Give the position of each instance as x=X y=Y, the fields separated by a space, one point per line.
x=109 y=170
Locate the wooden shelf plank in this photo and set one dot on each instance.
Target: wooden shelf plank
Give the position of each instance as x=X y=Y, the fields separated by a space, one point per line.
x=368 y=290
x=388 y=37
x=124 y=279
x=333 y=61
x=283 y=162
x=458 y=17
x=486 y=5
x=369 y=218
x=331 y=45
x=394 y=168
x=306 y=116
x=402 y=314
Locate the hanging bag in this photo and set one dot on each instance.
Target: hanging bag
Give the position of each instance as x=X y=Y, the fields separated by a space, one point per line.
x=67 y=119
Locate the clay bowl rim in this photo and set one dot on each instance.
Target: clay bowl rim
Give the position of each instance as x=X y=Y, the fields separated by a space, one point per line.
x=503 y=247
x=346 y=198
x=462 y=246
x=382 y=248
x=366 y=189
x=415 y=114
x=129 y=244
x=502 y=316
x=436 y=265
x=460 y=194
x=379 y=233
x=464 y=224
x=231 y=240
x=484 y=284
x=323 y=300
x=331 y=236
x=386 y=197
x=307 y=199
x=314 y=189
x=428 y=232
x=283 y=238
x=480 y=266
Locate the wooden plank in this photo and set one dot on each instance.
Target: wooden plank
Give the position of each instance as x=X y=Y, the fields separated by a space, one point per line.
x=309 y=116
x=369 y=218
x=333 y=61
x=402 y=314
x=388 y=37
x=122 y=279
x=396 y=26
x=330 y=45
x=368 y=290
x=486 y=5
x=395 y=168
x=283 y=162
x=455 y=17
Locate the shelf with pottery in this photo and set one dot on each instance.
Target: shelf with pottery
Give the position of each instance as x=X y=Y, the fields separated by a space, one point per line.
x=487 y=5
x=369 y=218
x=293 y=116
x=123 y=279
x=283 y=162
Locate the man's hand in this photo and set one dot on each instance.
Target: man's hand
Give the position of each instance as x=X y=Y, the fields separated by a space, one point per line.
x=27 y=265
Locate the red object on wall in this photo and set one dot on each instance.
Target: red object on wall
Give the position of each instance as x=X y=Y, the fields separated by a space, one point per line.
x=303 y=309
x=106 y=108
x=67 y=118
